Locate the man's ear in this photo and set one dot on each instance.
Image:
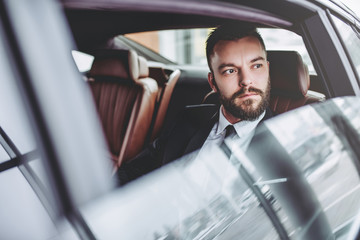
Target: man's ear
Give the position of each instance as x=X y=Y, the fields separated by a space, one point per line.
x=212 y=82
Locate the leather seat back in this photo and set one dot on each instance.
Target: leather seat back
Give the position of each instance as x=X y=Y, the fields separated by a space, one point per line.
x=125 y=98
x=166 y=80
x=290 y=82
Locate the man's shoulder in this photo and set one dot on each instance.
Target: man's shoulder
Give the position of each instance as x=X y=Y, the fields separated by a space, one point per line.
x=201 y=112
x=268 y=114
x=191 y=117
x=202 y=108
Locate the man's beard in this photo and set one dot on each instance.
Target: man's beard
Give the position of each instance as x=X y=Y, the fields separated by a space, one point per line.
x=246 y=110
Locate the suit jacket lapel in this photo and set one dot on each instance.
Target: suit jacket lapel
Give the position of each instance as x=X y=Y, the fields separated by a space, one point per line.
x=268 y=114
x=201 y=134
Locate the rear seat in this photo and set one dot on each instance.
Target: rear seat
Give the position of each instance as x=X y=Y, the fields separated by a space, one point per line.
x=290 y=83
x=166 y=80
x=125 y=98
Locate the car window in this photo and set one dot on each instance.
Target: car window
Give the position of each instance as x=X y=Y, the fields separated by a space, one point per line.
x=281 y=39
x=202 y=199
x=3 y=155
x=183 y=46
x=351 y=39
x=12 y=121
x=352 y=5
x=323 y=152
x=299 y=180
x=16 y=135
x=187 y=46
x=23 y=213
x=82 y=60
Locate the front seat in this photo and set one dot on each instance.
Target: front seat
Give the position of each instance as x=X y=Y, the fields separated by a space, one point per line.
x=125 y=98
x=290 y=82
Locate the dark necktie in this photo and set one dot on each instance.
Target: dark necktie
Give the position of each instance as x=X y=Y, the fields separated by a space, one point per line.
x=230 y=131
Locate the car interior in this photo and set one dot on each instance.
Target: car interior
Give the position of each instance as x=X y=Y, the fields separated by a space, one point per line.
x=132 y=98
x=137 y=97
x=137 y=93
x=88 y=84
x=125 y=97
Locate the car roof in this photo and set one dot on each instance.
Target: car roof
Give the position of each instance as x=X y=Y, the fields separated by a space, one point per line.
x=93 y=21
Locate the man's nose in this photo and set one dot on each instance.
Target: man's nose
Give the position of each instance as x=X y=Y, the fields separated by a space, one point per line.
x=245 y=78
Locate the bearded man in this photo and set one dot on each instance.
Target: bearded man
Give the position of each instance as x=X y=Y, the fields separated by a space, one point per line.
x=239 y=74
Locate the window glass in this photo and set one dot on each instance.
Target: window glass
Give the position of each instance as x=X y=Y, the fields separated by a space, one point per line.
x=15 y=125
x=187 y=46
x=352 y=5
x=324 y=157
x=22 y=212
x=83 y=61
x=351 y=110
x=351 y=40
x=281 y=39
x=202 y=198
x=300 y=178
x=13 y=119
x=183 y=46
x=37 y=167
x=3 y=155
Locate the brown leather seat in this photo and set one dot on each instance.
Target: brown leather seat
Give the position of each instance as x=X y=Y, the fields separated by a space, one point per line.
x=125 y=98
x=166 y=80
x=290 y=83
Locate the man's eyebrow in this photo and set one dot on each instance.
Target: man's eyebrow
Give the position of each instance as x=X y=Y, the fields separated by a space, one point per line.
x=226 y=65
x=223 y=65
x=257 y=59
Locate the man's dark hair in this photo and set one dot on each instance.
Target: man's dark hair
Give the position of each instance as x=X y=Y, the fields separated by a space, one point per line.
x=229 y=32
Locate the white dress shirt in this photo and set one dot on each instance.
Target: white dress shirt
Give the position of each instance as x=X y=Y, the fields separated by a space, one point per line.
x=245 y=131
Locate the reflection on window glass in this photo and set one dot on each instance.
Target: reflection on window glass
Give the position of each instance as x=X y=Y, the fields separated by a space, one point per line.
x=187 y=46
x=351 y=109
x=22 y=214
x=3 y=155
x=218 y=203
x=13 y=120
x=229 y=202
x=267 y=197
x=17 y=134
x=194 y=198
x=325 y=160
x=38 y=167
x=351 y=41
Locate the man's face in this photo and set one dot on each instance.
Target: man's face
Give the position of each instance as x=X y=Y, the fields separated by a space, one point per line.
x=240 y=74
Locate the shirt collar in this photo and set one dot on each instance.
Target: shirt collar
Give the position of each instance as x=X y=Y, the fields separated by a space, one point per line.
x=242 y=128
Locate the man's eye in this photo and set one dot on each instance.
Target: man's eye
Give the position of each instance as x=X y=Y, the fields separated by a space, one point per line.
x=229 y=71
x=256 y=66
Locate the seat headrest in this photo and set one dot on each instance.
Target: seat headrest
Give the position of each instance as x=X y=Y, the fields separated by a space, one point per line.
x=288 y=73
x=143 y=67
x=117 y=63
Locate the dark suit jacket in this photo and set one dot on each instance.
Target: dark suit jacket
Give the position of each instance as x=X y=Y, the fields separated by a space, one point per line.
x=186 y=135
